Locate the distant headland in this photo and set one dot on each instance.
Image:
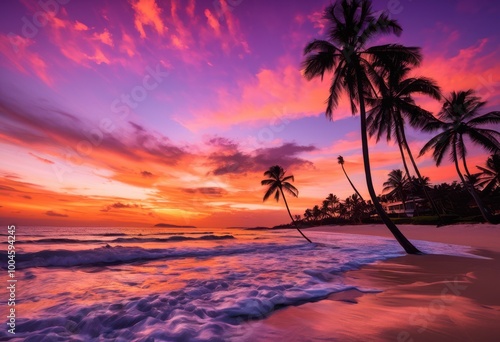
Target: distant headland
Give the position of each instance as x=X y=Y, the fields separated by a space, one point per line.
x=166 y=225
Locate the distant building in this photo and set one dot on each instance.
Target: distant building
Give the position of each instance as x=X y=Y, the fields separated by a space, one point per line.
x=398 y=208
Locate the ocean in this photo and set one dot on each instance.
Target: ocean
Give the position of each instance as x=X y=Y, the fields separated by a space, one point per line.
x=175 y=284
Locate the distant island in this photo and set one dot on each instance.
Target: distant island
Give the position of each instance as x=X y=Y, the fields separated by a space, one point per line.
x=248 y=228
x=166 y=225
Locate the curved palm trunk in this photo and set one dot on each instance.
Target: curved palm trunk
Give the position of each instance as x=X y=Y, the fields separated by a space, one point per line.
x=420 y=179
x=355 y=190
x=289 y=213
x=486 y=215
x=403 y=241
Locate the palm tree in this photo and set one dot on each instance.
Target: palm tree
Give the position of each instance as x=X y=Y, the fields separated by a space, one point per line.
x=395 y=104
x=326 y=209
x=489 y=178
x=276 y=182
x=316 y=212
x=459 y=117
x=397 y=185
x=352 y=24
x=333 y=202
x=340 y=160
x=308 y=215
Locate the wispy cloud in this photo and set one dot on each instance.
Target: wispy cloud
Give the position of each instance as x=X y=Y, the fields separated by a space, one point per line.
x=147 y=13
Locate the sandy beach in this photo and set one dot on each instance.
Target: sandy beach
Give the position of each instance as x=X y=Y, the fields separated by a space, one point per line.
x=421 y=298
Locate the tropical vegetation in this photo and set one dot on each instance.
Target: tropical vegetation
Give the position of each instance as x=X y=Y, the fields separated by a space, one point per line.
x=459 y=118
x=380 y=85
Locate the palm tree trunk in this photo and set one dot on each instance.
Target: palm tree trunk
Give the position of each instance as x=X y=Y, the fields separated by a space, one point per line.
x=400 y=145
x=403 y=241
x=420 y=179
x=289 y=213
x=471 y=190
x=355 y=190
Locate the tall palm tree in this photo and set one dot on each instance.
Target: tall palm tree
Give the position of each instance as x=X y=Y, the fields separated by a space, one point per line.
x=460 y=117
x=340 y=160
x=277 y=182
x=352 y=24
x=395 y=105
x=396 y=185
x=489 y=178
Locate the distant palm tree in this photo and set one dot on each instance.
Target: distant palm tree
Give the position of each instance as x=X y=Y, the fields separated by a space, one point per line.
x=333 y=202
x=355 y=207
x=395 y=105
x=340 y=160
x=396 y=186
x=459 y=117
x=352 y=23
x=276 y=182
x=489 y=178
x=325 y=209
x=316 y=212
x=308 y=215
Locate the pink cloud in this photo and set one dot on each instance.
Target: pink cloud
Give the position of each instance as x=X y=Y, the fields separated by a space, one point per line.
x=221 y=16
x=80 y=26
x=470 y=67
x=18 y=52
x=104 y=37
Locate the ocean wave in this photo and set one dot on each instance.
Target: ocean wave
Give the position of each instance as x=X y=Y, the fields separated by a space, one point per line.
x=175 y=237
x=109 y=255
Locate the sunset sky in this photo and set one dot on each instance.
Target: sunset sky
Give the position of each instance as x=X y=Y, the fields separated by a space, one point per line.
x=143 y=111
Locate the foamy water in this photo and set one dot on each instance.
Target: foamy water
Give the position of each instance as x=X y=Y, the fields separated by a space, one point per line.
x=171 y=284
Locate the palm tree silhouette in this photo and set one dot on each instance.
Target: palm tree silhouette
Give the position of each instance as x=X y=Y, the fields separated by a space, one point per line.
x=333 y=202
x=340 y=160
x=276 y=182
x=459 y=117
x=352 y=24
x=397 y=185
x=489 y=178
x=395 y=104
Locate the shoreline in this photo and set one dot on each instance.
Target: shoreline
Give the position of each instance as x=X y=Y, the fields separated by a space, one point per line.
x=422 y=298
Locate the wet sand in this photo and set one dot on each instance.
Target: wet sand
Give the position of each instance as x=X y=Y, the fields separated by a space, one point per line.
x=422 y=298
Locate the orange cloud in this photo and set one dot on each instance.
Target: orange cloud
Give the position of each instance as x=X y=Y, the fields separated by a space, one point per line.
x=147 y=13
x=283 y=93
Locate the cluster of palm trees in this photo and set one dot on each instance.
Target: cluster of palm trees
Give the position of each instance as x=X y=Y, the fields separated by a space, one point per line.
x=333 y=210
x=378 y=84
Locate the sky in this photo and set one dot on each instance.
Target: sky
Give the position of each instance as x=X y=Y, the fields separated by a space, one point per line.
x=145 y=111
